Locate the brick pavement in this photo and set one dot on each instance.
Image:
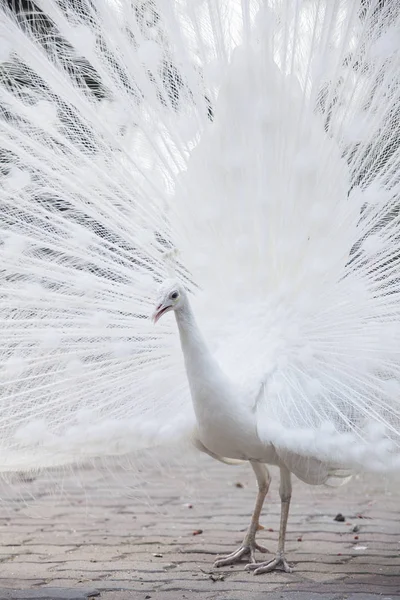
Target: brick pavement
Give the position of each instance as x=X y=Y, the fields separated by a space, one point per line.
x=117 y=539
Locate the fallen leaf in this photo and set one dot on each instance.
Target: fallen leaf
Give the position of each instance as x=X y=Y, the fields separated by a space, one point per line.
x=339 y=517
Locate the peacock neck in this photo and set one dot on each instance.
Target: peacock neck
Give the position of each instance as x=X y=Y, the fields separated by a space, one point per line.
x=218 y=408
x=199 y=361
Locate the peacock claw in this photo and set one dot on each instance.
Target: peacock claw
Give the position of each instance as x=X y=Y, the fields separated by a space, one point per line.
x=279 y=563
x=246 y=549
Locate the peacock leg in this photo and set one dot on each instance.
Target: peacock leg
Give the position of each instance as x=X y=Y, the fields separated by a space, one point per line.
x=249 y=545
x=279 y=562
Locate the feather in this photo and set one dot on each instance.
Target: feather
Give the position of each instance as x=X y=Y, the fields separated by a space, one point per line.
x=250 y=150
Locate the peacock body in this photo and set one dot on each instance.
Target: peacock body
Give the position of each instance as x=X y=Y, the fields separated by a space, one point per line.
x=243 y=156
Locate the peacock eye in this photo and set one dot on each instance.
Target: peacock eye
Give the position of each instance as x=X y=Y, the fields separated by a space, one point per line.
x=174 y=295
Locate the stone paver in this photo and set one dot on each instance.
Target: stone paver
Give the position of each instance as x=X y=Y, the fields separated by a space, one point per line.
x=154 y=537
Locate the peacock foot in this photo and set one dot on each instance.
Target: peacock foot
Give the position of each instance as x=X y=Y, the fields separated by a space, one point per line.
x=248 y=548
x=279 y=563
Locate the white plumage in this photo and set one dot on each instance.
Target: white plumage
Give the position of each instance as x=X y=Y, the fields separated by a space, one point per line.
x=249 y=150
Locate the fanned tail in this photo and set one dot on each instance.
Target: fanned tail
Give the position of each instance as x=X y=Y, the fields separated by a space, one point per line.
x=251 y=147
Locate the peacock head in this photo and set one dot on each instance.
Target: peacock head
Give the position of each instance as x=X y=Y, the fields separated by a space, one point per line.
x=170 y=297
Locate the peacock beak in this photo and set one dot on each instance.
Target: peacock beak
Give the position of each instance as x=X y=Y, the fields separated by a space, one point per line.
x=160 y=310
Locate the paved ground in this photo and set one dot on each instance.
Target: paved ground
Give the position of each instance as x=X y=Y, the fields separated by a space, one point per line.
x=157 y=539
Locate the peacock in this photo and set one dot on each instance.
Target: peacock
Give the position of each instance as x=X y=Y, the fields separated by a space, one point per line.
x=235 y=163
